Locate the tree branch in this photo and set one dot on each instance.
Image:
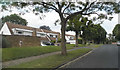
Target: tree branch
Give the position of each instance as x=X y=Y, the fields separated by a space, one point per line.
x=47 y=5
x=67 y=7
x=81 y=12
x=60 y=8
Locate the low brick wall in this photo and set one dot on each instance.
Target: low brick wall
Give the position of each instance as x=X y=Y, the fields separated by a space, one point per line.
x=26 y=40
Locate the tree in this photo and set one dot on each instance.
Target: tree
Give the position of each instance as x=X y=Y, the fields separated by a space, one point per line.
x=14 y=18
x=100 y=34
x=116 y=32
x=67 y=10
x=75 y=24
x=45 y=27
x=111 y=38
x=94 y=33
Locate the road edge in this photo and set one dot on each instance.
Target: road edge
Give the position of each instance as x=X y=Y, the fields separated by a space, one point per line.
x=80 y=57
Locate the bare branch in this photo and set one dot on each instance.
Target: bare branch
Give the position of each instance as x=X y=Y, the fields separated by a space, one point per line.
x=60 y=7
x=81 y=12
x=49 y=6
x=67 y=7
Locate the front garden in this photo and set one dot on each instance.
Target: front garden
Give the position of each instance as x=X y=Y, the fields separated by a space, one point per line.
x=22 y=52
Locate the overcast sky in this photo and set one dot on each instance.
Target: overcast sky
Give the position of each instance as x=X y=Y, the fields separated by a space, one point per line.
x=34 y=21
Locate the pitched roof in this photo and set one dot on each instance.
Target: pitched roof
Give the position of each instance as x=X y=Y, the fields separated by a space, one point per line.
x=47 y=31
x=68 y=35
x=11 y=25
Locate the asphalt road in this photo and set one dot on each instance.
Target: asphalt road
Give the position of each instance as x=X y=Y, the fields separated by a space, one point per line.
x=105 y=56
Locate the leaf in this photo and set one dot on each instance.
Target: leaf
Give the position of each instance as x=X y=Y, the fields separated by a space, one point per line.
x=110 y=18
x=56 y=22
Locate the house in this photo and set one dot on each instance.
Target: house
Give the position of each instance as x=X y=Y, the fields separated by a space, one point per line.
x=15 y=29
x=45 y=36
x=70 y=39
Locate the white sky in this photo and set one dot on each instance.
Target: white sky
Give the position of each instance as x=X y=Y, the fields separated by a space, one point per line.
x=34 y=21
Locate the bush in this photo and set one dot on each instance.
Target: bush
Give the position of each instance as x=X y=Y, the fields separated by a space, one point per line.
x=53 y=41
x=59 y=40
x=80 y=41
x=5 y=43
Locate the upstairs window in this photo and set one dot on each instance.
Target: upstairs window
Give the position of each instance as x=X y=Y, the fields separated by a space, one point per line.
x=19 y=32
x=51 y=35
x=71 y=38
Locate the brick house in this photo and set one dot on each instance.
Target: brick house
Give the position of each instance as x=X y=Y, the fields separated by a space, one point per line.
x=10 y=29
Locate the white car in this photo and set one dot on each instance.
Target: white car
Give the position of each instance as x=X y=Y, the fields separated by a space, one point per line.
x=118 y=43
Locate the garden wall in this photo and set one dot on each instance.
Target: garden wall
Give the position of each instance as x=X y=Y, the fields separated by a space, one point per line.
x=14 y=40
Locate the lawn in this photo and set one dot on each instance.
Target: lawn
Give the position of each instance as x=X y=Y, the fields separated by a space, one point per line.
x=21 y=52
x=95 y=45
x=73 y=45
x=16 y=53
x=52 y=61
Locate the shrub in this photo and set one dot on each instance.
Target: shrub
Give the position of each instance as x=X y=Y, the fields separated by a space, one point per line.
x=53 y=41
x=59 y=40
x=80 y=41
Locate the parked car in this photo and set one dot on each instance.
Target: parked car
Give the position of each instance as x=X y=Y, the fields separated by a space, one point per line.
x=46 y=44
x=118 y=43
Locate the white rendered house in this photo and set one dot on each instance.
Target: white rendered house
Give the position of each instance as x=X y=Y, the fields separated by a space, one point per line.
x=15 y=29
x=70 y=39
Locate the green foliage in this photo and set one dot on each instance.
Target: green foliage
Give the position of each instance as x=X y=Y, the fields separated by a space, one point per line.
x=53 y=41
x=79 y=41
x=53 y=61
x=59 y=40
x=116 y=32
x=75 y=24
x=14 y=18
x=45 y=27
x=94 y=32
x=5 y=43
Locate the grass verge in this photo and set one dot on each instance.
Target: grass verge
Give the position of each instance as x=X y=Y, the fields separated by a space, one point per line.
x=73 y=45
x=52 y=61
x=95 y=45
x=22 y=52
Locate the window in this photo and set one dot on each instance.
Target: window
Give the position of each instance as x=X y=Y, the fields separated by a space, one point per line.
x=41 y=34
x=71 y=38
x=19 y=32
x=56 y=36
x=51 y=35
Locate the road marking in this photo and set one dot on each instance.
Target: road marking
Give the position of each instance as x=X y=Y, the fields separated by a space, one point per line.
x=75 y=59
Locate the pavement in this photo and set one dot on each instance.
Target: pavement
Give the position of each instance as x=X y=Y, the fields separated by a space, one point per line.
x=105 y=56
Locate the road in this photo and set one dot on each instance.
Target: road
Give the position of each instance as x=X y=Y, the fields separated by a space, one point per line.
x=105 y=56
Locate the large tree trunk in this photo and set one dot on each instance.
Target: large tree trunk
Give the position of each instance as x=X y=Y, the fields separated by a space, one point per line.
x=63 y=41
x=76 y=44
